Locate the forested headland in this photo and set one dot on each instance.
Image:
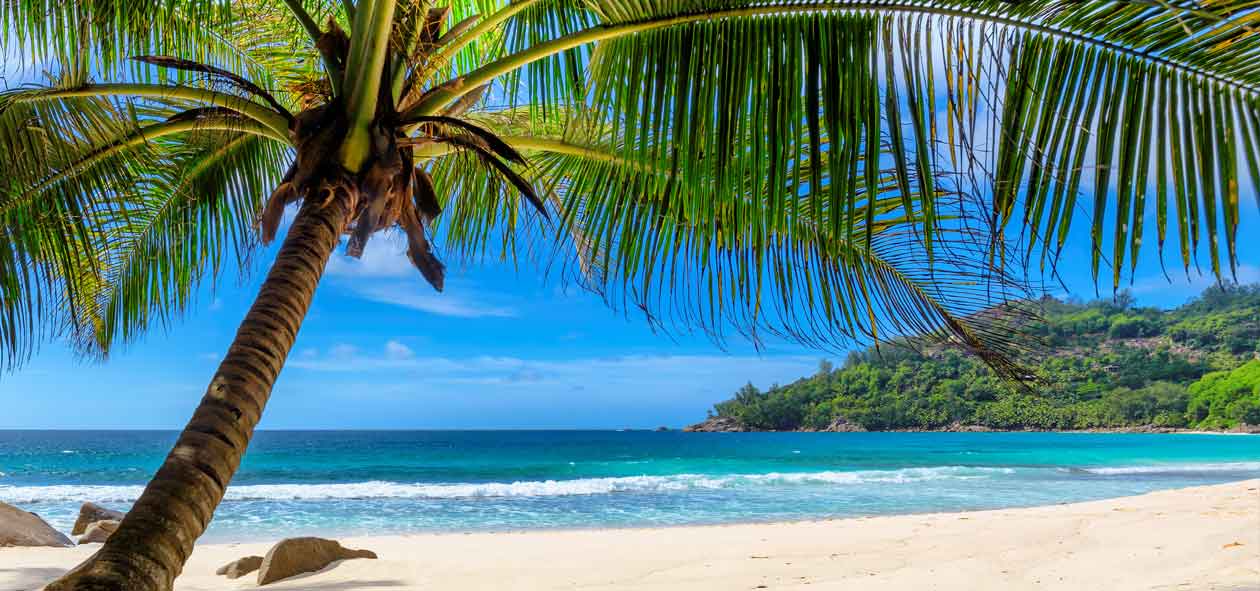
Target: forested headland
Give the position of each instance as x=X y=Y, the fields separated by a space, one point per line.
x=1105 y=364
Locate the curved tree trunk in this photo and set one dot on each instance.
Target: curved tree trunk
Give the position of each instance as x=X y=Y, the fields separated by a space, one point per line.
x=150 y=547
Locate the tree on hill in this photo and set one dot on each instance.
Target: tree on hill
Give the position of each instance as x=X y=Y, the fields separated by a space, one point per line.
x=1090 y=376
x=1226 y=398
x=756 y=167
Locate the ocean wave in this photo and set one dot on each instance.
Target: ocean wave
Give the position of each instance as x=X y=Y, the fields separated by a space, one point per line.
x=535 y=488
x=1221 y=467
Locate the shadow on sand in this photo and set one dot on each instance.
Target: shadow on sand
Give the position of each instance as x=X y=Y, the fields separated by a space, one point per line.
x=309 y=582
x=307 y=585
x=32 y=578
x=29 y=578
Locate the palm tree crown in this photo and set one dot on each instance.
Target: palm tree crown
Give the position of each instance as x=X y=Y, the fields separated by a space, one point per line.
x=699 y=155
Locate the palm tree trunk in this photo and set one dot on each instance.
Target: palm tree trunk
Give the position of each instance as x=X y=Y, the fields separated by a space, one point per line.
x=152 y=543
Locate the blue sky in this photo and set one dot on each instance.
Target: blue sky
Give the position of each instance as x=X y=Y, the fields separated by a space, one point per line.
x=502 y=348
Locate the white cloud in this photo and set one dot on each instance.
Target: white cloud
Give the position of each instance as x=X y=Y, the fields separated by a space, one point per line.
x=343 y=351
x=366 y=363
x=410 y=295
x=397 y=351
x=384 y=257
x=395 y=357
x=385 y=275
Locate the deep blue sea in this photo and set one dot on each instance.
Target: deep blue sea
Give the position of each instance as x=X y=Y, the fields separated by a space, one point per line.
x=372 y=482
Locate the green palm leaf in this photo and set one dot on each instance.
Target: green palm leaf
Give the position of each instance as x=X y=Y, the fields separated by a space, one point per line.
x=78 y=205
x=696 y=69
x=635 y=234
x=105 y=33
x=1193 y=109
x=199 y=212
x=63 y=153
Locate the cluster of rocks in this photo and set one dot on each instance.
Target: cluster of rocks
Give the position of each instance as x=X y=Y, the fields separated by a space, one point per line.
x=292 y=557
x=23 y=528
x=288 y=558
x=843 y=425
x=95 y=523
x=716 y=425
x=732 y=425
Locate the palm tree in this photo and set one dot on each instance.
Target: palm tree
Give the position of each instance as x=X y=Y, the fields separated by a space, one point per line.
x=823 y=170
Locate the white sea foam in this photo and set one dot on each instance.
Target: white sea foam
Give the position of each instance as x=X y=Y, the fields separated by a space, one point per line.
x=1177 y=468
x=377 y=489
x=536 y=488
x=582 y=486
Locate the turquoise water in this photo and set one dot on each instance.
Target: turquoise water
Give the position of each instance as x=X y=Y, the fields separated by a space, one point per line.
x=345 y=482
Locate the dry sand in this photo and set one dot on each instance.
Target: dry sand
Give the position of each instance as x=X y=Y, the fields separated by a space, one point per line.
x=1195 y=538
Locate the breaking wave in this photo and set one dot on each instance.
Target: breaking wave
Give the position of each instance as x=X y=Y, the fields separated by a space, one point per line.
x=535 y=488
x=1222 y=467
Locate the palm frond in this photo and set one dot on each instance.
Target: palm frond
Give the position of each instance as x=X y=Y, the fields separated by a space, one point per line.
x=256 y=39
x=477 y=196
x=480 y=211
x=690 y=251
x=560 y=77
x=1161 y=132
x=59 y=156
x=81 y=171
x=984 y=75
x=485 y=39
x=216 y=75
x=181 y=227
x=155 y=99
x=279 y=45
x=691 y=257
x=102 y=34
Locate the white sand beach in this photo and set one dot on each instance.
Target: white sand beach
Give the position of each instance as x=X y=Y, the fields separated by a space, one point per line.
x=1202 y=538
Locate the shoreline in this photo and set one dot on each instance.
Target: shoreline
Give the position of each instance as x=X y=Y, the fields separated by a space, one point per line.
x=1205 y=537
x=724 y=425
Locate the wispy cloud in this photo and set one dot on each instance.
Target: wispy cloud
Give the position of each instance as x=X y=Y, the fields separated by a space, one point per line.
x=393 y=356
x=409 y=295
x=385 y=275
x=397 y=351
x=396 y=357
x=384 y=257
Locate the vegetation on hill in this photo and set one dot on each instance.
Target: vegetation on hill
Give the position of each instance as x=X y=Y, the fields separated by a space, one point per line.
x=1107 y=364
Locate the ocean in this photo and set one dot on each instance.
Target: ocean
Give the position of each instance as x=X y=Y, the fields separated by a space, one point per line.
x=384 y=482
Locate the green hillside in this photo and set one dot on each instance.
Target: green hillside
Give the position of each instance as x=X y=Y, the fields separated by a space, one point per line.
x=1107 y=364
